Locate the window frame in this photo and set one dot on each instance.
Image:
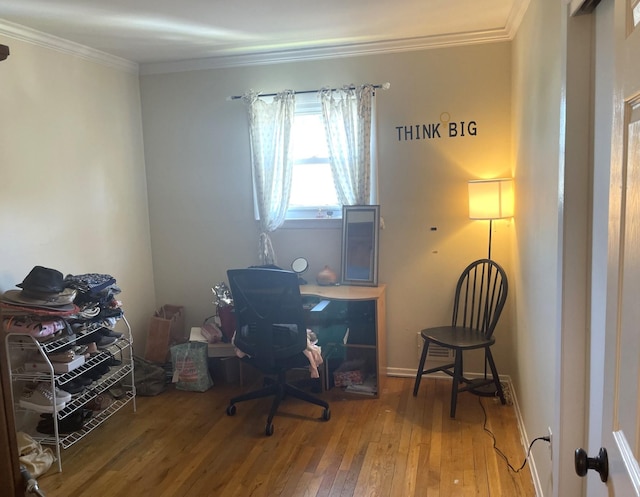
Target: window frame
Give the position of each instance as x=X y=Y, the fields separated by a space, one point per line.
x=307 y=104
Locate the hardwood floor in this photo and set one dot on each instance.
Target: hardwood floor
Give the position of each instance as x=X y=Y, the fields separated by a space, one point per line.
x=184 y=444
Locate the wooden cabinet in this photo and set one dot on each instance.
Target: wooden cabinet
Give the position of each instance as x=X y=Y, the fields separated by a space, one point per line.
x=350 y=323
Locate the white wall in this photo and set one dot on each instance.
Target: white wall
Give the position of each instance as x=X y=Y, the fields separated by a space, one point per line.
x=536 y=117
x=73 y=188
x=552 y=116
x=198 y=174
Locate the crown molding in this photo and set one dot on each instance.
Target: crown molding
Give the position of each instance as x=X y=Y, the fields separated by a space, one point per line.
x=332 y=52
x=515 y=16
x=507 y=33
x=23 y=33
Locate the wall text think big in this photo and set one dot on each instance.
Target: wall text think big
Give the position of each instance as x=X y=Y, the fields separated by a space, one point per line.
x=445 y=128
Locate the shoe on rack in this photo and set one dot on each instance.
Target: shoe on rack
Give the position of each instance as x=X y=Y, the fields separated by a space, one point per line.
x=73 y=422
x=83 y=380
x=117 y=391
x=74 y=386
x=96 y=372
x=62 y=395
x=66 y=356
x=68 y=338
x=39 y=398
x=92 y=349
x=104 y=341
x=108 y=332
x=112 y=361
x=99 y=403
x=80 y=350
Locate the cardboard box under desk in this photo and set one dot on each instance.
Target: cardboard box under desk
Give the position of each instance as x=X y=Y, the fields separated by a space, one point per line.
x=224 y=364
x=225 y=370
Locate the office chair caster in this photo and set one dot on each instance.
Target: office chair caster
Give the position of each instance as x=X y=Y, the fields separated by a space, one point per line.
x=231 y=409
x=268 y=431
x=326 y=414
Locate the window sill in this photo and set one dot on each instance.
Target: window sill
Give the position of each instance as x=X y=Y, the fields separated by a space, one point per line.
x=313 y=223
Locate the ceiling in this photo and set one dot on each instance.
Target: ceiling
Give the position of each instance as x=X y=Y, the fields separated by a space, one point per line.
x=160 y=31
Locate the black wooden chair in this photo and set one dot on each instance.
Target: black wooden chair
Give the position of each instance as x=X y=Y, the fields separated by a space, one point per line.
x=271 y=330
x=480 y=296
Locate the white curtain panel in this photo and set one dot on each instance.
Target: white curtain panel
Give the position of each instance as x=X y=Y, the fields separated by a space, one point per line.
x=347 y=114
x=270 y=134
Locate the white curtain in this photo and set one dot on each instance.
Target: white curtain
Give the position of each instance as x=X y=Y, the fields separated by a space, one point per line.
x=347 y=114
x=270 y=132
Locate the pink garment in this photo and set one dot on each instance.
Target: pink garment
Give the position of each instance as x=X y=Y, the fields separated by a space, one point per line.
x=37 y=329
x=314 y=355
x=239 y=352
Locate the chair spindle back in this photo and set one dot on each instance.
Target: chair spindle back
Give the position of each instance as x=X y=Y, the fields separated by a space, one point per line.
x=481 y=293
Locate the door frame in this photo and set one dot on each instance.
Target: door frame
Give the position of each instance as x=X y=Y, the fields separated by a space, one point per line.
x=9 y=462
x=603 y=118
x=574 y=279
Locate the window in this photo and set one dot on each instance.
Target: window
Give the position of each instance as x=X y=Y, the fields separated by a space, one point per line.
x=316 y=185
x=313 y=193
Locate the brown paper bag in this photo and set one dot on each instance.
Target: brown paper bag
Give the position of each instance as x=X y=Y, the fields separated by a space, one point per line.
x=166 y=328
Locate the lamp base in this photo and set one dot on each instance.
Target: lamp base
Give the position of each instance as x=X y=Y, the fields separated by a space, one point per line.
x=482 y=390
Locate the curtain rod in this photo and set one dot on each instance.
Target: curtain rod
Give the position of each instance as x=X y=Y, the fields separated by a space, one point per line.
x=384 y=86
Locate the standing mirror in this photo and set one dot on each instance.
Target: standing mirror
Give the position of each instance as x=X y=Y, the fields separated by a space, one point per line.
x=360 y=229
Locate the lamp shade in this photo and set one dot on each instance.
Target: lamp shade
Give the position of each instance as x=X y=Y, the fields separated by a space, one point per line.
x=491 y=198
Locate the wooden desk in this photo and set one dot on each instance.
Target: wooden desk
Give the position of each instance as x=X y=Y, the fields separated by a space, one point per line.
x=370 y=339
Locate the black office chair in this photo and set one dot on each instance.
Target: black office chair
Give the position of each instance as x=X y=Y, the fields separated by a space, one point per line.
x=480 y=296
x=270 y=329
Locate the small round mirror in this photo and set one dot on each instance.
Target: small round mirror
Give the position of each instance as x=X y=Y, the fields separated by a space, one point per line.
x=299 y=266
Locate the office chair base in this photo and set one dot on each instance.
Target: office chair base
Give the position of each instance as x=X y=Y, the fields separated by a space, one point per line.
x=279 y=390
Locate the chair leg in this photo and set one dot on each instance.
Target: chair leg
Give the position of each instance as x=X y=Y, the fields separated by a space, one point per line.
x=496 y=378
x=457 y=375
x=420 y=372
x=280 y=391
x=255 y=394
x=302 y=395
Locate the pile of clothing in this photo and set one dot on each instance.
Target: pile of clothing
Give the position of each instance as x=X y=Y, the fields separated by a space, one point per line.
x=48 y=305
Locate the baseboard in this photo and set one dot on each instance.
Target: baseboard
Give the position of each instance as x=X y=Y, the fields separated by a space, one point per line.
x=506 y=379
x=524 y=439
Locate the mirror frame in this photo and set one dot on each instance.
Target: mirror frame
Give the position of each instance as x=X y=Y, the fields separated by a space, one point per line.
x=296 y=261
x=351 y=215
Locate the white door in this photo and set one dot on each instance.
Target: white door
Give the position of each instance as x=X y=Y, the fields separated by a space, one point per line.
x=621 y=410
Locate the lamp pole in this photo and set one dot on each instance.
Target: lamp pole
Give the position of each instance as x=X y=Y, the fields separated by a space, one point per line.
x=490 y=232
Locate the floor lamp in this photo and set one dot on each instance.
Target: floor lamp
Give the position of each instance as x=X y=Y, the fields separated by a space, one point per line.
x=490 y=199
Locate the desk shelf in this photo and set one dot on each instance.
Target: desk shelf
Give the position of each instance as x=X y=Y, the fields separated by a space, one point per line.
x=361 y=311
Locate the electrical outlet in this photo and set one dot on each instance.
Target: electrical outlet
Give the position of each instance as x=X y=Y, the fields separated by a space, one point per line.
x=550 y=442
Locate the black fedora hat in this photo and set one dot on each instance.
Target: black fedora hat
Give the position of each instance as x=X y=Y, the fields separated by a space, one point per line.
x=43 y=280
